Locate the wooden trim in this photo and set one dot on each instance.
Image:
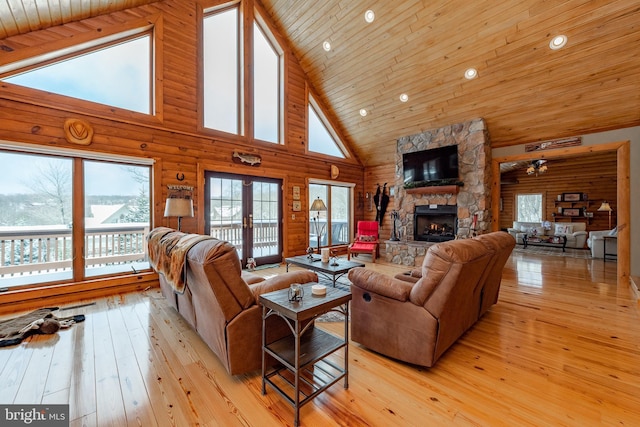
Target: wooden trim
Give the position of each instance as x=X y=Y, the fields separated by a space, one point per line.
x=77 y=211
x=63 y=294
x=437 y=189
x=623 y=188
x=624 y=213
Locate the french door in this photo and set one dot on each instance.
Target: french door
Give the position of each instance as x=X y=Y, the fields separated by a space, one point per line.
x=245 y=211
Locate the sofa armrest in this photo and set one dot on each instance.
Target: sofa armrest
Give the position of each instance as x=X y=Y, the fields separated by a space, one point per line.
x=380 y=284
x=282 y=281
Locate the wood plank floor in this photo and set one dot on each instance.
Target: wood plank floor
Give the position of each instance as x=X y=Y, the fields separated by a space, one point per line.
x=561 y=348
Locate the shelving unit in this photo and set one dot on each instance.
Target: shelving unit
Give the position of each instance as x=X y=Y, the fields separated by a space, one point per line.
x=583 y=204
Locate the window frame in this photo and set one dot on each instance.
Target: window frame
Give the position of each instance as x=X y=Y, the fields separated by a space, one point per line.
x=78 y=233
x=240 y=93
x=351 y=214
x=313 y=104
x=81 y=44
x=517 y=206
x=261 y=24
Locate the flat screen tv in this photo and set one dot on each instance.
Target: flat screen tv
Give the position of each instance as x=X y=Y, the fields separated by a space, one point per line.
x=434 y=165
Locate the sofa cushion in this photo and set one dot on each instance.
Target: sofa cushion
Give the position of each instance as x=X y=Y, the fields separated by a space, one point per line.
x=614 y=232
x=562 y=229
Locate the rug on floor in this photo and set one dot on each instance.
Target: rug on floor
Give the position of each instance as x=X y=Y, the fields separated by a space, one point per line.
x=541 y=250
x=41 y=321
x=342 y=283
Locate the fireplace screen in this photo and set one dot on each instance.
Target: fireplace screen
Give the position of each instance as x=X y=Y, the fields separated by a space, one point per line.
x=435 y=224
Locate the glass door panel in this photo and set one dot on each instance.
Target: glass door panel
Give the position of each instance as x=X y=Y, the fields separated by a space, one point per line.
x=226 y=210
x=340 y=211
x=245 y=211
x=266 y=221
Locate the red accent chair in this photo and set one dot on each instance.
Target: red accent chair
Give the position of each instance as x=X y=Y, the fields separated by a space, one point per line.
x=366 y=240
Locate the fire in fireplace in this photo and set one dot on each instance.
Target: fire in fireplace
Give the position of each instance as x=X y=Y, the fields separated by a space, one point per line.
x=435 y=223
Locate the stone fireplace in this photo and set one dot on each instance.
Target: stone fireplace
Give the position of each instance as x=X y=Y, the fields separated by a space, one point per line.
x=470 y=200
x=435 y=223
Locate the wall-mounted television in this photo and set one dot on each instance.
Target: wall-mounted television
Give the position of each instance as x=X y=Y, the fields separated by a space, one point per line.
x=436 y=164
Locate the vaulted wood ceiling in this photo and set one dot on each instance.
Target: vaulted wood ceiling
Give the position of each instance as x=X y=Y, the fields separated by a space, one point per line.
x=525 y=91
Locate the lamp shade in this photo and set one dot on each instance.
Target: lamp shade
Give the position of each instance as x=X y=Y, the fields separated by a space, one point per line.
x=178 y=207
x=318 y=205
x=605 y=207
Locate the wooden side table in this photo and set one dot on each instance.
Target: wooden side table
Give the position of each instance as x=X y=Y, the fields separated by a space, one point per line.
x=305 y=372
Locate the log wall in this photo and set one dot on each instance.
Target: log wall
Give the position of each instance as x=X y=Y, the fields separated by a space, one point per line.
x=175 y=137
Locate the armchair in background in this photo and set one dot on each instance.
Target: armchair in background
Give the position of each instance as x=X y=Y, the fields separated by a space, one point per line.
x=366 y=240
x=595 y=242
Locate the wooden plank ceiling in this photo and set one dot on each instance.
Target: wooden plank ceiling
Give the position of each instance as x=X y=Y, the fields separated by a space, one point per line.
x=525 y=91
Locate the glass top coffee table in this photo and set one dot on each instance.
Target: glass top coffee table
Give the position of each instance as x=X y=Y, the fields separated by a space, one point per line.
x=327 y=269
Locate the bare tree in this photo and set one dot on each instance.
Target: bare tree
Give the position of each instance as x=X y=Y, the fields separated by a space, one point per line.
x=53 y=180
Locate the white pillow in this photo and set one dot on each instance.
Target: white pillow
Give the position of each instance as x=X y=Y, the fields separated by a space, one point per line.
x=564 y=229
x=614 y=232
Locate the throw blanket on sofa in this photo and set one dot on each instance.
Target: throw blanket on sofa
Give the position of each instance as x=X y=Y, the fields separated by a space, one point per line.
x=167 y=253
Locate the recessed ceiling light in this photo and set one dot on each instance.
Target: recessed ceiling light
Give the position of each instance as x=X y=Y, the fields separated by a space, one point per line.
x=558 y=42
x=404 y=97
x=326 y=46
x=363 y=112
x=471 y=73
x=369 y=16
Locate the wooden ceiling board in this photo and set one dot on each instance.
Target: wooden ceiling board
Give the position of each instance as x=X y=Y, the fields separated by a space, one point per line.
x=525 y=92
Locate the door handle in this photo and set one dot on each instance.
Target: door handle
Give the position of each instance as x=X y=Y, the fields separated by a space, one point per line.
x=244 y=222
x=250 y=220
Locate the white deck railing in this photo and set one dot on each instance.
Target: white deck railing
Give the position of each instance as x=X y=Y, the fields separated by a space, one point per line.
x=42 y=249
x=35 y=250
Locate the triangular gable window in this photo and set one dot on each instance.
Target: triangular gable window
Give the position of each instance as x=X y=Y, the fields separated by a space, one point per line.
x=118 y=75
x=321 y=135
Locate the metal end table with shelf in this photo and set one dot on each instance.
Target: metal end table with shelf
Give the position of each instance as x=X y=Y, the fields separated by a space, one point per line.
x=304 y=372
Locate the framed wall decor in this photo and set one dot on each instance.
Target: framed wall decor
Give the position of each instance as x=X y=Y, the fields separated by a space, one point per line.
x=296 y=192
x=571 y=211
x=571 y=197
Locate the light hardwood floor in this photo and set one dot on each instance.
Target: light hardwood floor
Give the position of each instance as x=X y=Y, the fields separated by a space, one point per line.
x=562 y=347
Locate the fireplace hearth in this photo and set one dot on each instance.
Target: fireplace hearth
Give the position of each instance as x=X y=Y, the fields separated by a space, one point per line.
x=435 y=223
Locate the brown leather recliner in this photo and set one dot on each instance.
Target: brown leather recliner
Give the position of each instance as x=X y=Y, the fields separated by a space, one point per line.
x=417 y=322
x=220 y=305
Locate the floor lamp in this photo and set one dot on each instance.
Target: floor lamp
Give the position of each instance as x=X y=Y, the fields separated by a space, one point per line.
x=606 y=207
x=318 y=206
x=178 y=207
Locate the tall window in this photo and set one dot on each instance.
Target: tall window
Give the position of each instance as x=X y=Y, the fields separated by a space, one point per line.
x=529 y=207
x=38 y=223
x=322 y=137
x=116 y=217
x=334 y=225
x=266 y=87
x=118 y=75
x=222 y=71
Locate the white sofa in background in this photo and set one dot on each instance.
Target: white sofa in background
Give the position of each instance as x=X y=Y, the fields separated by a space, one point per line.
x=595 y=242
x=575 y=231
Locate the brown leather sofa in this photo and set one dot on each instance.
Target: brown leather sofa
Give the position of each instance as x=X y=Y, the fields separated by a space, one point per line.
x=220 y=302
x=417 y=322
